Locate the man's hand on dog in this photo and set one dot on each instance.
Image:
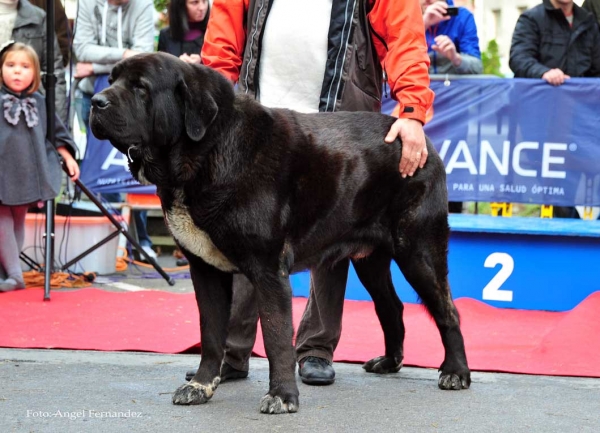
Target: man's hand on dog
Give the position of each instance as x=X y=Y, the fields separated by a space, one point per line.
x=414 y=148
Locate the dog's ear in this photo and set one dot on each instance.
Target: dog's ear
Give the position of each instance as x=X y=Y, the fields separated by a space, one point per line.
x=164 y=127
x=200 y=110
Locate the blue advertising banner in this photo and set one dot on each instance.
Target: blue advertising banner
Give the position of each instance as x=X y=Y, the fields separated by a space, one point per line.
x=518 y=140
x=502 y=140
x=104 y=169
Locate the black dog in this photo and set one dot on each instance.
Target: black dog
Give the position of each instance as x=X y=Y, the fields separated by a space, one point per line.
x=267 y=192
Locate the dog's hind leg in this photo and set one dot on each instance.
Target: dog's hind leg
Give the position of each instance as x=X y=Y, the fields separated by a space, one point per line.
x=213 y=295
x=374 y=273
x=423 y=259
x=275 y=310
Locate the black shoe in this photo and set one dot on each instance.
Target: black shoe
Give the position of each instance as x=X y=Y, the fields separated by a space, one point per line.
x=316 y=371
x=227 y=373
x=182 y=262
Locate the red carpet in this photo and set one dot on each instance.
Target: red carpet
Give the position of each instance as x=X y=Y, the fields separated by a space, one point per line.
x=534 y=342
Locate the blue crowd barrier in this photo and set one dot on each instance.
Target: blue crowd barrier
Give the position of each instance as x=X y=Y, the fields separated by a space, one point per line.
x=517 y=140
x=502 y=140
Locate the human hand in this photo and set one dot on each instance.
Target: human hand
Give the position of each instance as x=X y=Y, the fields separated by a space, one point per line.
x=414 y=146
x=72 y=169
x=444 y=46
x=435 y=13
x=129 y=53
x=555 y=76
x=192 y=58
x=70 y=163
x=83 y=69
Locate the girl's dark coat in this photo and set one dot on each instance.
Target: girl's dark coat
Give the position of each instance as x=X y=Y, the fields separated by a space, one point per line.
x=30 y=168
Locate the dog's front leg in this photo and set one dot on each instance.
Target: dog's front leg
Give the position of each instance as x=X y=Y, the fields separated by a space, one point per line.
x=213 y=295
x=275 y=310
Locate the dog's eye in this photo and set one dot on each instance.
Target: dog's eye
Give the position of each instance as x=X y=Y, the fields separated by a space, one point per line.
x=139 y=89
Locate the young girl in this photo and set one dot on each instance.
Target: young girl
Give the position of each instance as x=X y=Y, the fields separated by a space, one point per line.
x=30 y=168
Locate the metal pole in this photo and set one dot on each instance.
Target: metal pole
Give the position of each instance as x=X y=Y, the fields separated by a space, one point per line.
x=50 y=85
x=122 y=231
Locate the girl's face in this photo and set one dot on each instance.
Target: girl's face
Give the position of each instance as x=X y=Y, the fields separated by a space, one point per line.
x=17 y=71
x=196 y=10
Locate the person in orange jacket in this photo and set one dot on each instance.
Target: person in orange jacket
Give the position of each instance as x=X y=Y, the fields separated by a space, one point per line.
x=319 y=56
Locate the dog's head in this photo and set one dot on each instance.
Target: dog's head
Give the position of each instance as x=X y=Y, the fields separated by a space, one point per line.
x=158 y=105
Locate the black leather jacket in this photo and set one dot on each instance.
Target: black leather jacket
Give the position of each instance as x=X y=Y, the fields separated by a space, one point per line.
x=544 y=40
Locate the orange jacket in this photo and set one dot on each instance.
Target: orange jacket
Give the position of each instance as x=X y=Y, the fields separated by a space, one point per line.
x=398 y=35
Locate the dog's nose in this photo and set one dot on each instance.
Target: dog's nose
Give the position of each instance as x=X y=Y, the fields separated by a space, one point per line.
x=100 y=101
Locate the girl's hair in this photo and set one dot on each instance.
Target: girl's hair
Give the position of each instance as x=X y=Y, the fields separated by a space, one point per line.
x=178 y=19
x=33 y=57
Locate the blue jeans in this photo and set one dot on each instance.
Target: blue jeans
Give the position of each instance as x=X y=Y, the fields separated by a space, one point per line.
x=83 y=106
x=140 y=218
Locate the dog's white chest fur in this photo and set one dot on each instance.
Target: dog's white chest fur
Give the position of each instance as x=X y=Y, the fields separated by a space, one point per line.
x=193 y=239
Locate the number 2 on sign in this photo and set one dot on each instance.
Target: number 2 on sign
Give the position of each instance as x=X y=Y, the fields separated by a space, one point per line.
x=492 y=291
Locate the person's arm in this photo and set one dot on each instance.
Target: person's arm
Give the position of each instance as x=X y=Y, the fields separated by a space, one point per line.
x=462 y=63
x=470 y=53
x=64 y=139
x=67 y=149
x=225 y=38
x=102 y=69
x=143 y=30
x=524 y=49
x=406 y=62
x=469 y=65
x=70 y=163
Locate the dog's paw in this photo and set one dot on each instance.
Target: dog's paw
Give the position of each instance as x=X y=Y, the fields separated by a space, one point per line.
x=276 y=404
x=195 y=393
x=454 y=381
x=383 y=365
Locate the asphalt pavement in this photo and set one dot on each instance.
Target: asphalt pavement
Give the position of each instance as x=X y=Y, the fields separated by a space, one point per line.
x=86 y=391
x=82 y=391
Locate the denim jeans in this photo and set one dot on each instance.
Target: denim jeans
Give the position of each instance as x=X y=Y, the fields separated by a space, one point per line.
x=140 y=218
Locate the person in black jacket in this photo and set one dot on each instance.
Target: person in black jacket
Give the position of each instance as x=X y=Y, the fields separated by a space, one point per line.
x=187 y=24
x=555 y=40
